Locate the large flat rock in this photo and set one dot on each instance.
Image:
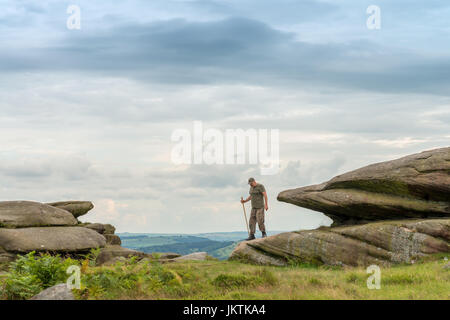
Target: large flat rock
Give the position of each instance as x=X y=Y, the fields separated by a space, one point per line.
x=17 y=214
x=416 y=186
x=77 y=208
x=382 y=243
x=54 y=239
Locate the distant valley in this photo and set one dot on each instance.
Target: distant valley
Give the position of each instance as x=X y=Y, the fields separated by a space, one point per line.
x=216 y=244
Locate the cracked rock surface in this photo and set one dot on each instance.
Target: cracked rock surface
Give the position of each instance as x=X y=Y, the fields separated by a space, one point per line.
x=382 y=243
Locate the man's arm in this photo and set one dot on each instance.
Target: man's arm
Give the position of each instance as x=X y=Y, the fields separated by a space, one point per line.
x=265 y=199
x=246 y=200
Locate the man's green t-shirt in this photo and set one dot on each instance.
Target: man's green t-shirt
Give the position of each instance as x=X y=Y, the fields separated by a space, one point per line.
x=257 y=196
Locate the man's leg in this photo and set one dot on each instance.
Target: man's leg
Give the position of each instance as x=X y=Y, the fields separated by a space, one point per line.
x=252 y=224
x=260 y=219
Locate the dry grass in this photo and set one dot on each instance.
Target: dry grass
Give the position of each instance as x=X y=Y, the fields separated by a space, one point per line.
x=198 y=280
x=421 y=281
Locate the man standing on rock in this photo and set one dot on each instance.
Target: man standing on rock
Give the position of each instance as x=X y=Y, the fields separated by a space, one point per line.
x=258 y=196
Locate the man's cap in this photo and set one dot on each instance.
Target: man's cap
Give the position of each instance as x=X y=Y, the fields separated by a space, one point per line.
x=250 y=180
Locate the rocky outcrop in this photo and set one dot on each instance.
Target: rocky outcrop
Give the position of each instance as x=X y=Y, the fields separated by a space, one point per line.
x=58 y=292
x=53 y=239
x=416 y=186
x=381 y=243
x=386 y=213
x=27 y=226
x=20 y=214
x=76 y=208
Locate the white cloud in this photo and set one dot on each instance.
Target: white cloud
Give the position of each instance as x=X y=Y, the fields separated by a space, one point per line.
x=400 y=143
x=93 y=119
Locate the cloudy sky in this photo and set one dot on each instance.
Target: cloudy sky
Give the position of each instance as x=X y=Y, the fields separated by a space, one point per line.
x=89 y=113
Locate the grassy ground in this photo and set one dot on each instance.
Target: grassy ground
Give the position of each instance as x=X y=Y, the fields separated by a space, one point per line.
x=234 y=280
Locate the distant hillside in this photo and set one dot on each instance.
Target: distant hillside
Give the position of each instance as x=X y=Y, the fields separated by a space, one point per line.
x=217 y=244
x=179 y=244
x=217 y=249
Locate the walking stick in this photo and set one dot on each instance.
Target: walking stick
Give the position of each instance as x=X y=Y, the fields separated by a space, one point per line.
x=245 y=217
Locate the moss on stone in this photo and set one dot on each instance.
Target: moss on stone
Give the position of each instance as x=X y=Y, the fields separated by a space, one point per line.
x=394 y=187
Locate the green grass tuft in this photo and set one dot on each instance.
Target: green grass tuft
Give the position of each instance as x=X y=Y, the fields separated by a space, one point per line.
x=211 y=279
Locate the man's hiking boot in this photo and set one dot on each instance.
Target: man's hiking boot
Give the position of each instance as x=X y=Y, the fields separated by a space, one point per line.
x=264 y=235
x=250 y=237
